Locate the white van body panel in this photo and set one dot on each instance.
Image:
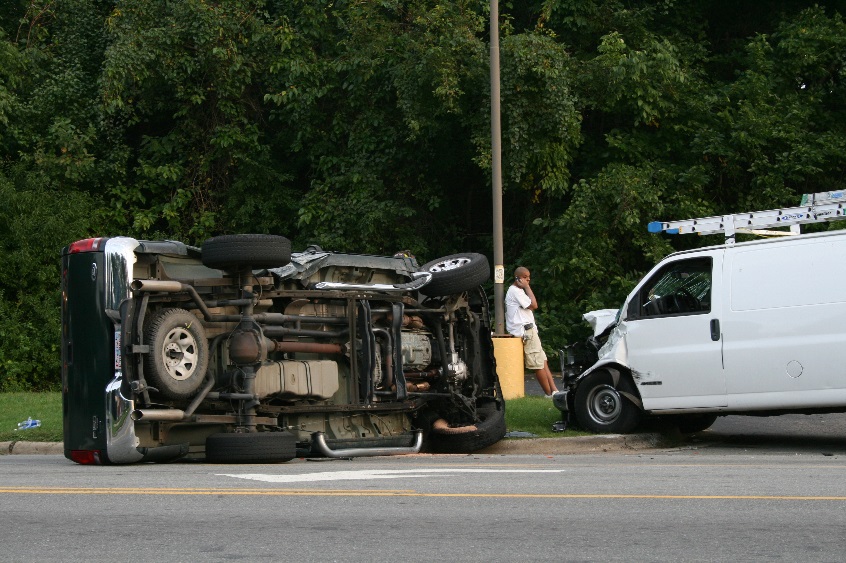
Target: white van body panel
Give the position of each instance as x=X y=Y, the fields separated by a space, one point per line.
x=785 y=324
x=771 y=335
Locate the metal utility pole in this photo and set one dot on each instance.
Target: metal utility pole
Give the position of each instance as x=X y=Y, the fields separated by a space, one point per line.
x=496 y=165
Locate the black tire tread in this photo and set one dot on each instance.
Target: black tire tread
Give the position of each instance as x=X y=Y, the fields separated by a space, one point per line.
x=246 y=251
x=630 y=416
x=155 y=373
x=253 y=447
x=449 y=282
x=692 y=423
x=490 y=430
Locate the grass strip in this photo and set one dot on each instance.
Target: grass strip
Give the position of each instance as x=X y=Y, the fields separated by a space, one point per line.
x=531 y=414
x=17 y=407
x=535 y=415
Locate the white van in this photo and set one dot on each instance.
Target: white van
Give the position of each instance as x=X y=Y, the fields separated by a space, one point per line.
x=753 y=328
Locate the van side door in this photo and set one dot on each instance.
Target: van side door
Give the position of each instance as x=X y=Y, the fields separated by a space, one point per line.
x=785 y=341
x=672 y=334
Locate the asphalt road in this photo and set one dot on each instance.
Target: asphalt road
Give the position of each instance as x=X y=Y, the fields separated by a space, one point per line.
x=748 y=489
x=682 y=504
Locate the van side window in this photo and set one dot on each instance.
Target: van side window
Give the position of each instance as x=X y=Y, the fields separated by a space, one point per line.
x=680 y=288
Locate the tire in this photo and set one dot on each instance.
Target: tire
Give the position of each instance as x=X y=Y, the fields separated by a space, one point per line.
x=602 y=409
x=233 y=252
x=692 y=423
x=253 y=447
x=456 y=273
x=489 y=430
x=179 y=353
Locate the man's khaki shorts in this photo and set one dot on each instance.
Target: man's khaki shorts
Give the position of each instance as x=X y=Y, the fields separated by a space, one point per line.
x=533 y=354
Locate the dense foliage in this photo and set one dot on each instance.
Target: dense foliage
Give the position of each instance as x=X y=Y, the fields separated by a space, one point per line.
x=365 y=126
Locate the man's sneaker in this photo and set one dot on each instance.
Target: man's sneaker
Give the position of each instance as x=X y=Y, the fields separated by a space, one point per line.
x=548 y=396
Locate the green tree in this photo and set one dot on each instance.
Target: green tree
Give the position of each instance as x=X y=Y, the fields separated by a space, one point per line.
x=182 y=85
x=35 y=223
x=364 y=126
x=48 y=113
x=666 y=137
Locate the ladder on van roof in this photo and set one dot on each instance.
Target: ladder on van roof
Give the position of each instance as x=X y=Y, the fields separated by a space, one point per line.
x=815 y=208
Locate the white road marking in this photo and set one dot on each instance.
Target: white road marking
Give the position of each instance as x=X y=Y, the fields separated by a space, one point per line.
x=370 y=474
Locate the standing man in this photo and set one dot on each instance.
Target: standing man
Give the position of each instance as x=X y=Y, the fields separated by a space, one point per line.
x=520 y=321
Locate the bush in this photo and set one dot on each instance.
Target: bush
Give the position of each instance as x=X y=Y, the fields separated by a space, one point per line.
x=34 y=226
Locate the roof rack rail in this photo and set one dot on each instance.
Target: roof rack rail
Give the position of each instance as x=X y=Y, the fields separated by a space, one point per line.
x=815 y=208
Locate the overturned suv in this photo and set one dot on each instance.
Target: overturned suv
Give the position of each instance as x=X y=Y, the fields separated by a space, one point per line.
x=245 y=352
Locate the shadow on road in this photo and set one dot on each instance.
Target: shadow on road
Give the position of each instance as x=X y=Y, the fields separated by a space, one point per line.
x=771 y=443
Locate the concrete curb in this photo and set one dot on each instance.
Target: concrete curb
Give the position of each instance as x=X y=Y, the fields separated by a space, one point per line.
x=32 y=448
x=508 y=446
x=579 y=444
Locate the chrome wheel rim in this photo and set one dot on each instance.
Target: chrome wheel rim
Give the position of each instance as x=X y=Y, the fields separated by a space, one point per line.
x=451 y=264
x=604 y=404
x=179 y=352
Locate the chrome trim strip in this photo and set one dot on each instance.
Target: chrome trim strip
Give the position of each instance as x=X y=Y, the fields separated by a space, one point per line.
x=117 y=271
x=319 y=443
x=421 y=279
x=121 y=442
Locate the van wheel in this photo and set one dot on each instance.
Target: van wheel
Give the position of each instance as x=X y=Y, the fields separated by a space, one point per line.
x=602 y=409
x=455 y=273
x=692 y=423
x=179 y=353
x=252 y=447
x=488 y=431
x=246 y=251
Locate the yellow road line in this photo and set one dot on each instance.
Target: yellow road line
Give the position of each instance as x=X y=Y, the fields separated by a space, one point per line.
x=390 y=493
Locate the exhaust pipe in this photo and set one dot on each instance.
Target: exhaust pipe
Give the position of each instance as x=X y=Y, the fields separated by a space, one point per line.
x=171 y=415
x=173 y=287
x=308 y=347
x=156 y=285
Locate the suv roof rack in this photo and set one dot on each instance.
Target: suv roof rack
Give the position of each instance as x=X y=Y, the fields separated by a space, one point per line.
x=815 y=208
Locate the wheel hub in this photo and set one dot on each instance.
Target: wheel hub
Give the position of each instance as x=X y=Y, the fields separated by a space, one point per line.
x=607 y=405
x=173 y=354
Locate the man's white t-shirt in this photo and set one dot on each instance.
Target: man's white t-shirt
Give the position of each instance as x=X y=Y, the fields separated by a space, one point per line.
x=517 y=312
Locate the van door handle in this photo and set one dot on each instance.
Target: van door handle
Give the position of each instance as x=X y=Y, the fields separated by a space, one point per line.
x=715 y=329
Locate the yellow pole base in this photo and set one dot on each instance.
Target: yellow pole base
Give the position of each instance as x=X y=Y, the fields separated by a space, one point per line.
x=508 y=352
